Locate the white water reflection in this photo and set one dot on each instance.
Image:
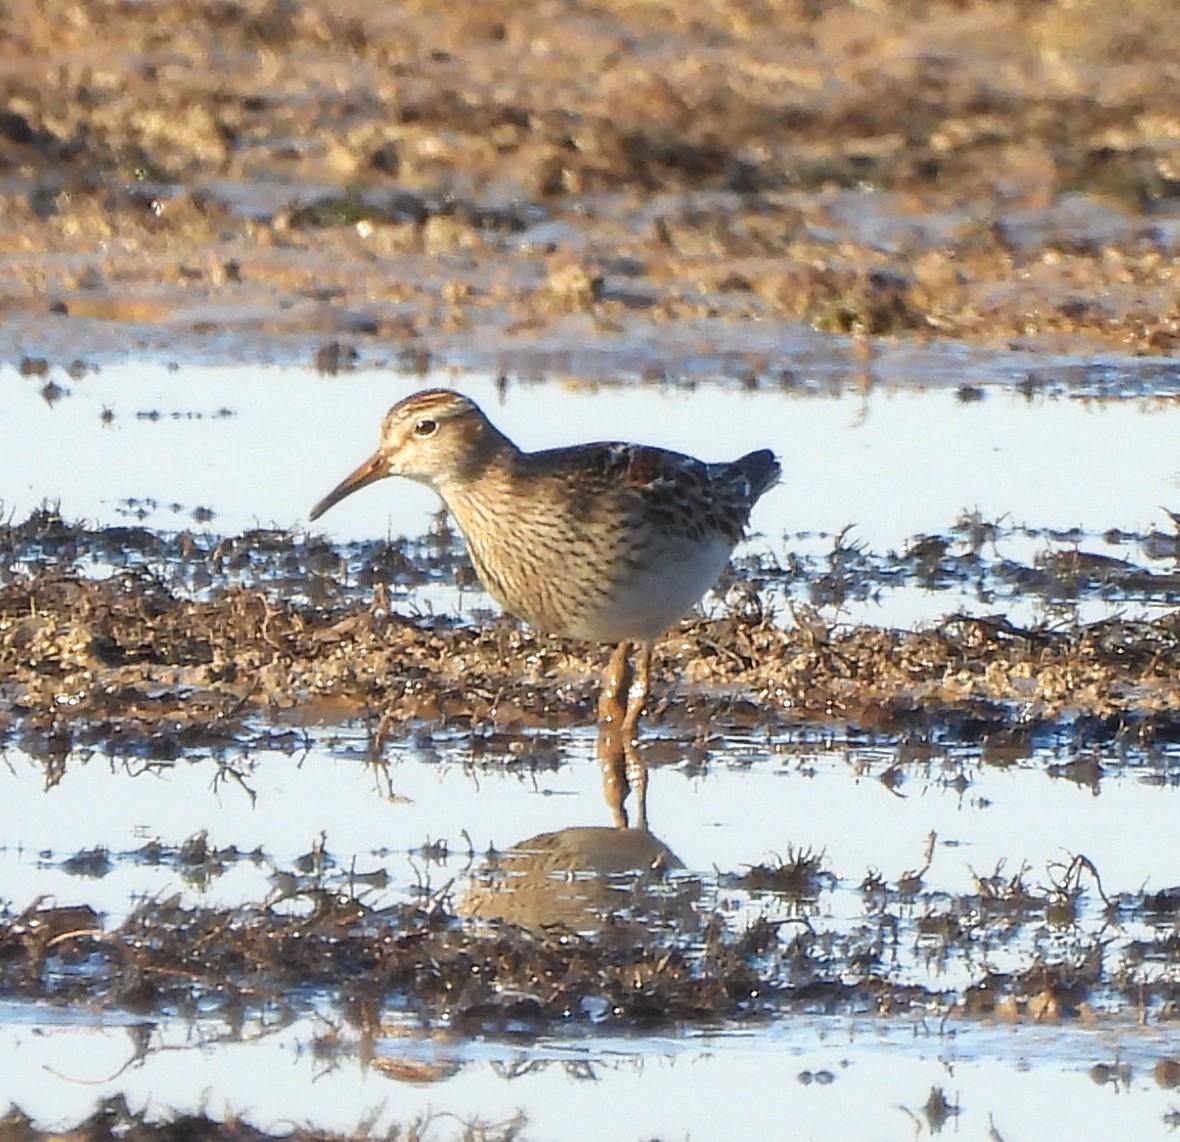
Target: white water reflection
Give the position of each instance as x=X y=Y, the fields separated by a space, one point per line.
x=894 y=463
x=824 y=1079
x=744 y=803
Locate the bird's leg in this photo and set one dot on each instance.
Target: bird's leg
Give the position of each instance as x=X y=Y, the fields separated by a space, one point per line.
x=616 y=680
x=623 y=767
x=623 y=771
x=636 y=767
x=637 y=691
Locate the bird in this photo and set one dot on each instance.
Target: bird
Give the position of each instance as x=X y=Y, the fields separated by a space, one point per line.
x=608 y=542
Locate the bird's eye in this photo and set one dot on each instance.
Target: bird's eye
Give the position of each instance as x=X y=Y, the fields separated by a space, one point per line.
x=426 y=427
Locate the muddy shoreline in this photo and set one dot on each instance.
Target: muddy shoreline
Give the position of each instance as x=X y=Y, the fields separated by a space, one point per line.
x=264 y=626
x=229 y=645
x=333 y=183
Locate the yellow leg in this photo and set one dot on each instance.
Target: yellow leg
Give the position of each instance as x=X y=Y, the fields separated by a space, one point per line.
x=623 y=772
x=623 y=769
x=616 y=681
x=612 y=759
x=637 y=779
x=637 y=692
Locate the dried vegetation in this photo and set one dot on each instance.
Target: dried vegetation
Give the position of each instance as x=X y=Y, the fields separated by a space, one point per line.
x=317 y=939
x=182 y=640
x=194 y=637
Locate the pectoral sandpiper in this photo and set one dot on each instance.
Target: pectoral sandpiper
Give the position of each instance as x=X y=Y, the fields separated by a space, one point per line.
x=607 y=542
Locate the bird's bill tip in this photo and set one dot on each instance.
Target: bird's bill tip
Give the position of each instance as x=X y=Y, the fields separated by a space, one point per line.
x=370 y=471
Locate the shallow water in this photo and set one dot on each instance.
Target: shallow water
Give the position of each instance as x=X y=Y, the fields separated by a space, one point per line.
x=894 y=461
x=744 y=803
x=820 y=1079
x=838 y=797
x=227 y=449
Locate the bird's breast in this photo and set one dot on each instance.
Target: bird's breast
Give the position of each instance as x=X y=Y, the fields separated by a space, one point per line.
x=614 y=569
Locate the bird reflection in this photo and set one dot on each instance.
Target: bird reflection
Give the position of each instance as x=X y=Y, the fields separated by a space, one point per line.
x=597 y=878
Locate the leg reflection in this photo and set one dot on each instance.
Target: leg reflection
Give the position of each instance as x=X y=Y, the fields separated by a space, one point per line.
x=623 y=771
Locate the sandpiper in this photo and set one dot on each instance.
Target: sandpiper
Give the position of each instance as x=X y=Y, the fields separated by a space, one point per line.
x=609 y=542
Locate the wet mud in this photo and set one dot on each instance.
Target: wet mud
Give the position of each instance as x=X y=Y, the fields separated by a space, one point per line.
x=637 y=187
x=184 y=640
x=187 y=642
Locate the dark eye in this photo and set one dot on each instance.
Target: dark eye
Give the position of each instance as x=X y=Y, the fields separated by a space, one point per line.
x=426 y=427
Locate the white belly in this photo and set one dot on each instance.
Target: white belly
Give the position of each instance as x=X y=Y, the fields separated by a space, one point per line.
x=651 y=600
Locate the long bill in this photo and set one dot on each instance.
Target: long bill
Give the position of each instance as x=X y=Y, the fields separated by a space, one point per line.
x=369 y=472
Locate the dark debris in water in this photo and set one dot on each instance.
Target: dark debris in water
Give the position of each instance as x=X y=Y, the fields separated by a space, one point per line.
x=114 y=1118
x=798 y=875
x=195 y=860
x=497 y=979
x=151 y=644
x=317 y=940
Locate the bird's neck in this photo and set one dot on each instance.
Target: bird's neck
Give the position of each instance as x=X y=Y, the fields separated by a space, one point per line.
x=480 y=491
